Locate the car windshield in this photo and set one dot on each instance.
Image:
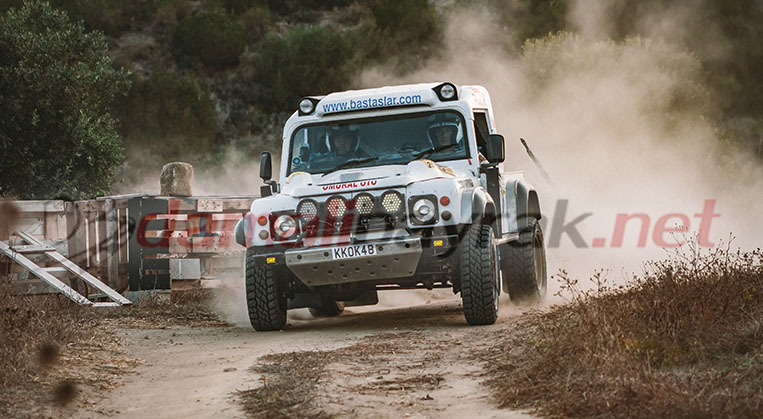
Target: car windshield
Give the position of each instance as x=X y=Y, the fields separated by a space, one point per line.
x=323 y=148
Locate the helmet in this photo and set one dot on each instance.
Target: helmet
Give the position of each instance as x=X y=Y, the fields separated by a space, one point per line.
x=444 y=127
x=338 y=133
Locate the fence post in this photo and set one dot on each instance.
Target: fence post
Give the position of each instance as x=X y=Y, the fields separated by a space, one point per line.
x=112 y=245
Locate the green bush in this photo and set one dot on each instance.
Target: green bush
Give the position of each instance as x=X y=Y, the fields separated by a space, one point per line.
x=240 y=6
x=399 y=30
x=169 y=115
x=212 y=38
x=173 y=11
x=310 y=60
x=295 y=7
x=528 y=19
x=57 y=82
x=257 y=21
x=113 y=17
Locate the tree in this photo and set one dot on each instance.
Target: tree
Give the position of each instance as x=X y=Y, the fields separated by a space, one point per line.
x=309 y=60
x=57 y=137
x=214 y=38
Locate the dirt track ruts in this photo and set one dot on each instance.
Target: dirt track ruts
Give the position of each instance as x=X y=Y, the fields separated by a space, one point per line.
x=419 y=361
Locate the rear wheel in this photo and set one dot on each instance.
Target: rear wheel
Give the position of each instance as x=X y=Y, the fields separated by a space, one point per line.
x=523 y=265
x=265 y=297
x=329 y=308
x=479 y=276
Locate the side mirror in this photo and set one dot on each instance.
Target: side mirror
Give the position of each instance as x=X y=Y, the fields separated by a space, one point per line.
x=266 y=172
x=496 y=149
x=266 y=166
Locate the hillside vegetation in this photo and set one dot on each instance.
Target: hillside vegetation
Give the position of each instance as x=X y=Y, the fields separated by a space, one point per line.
x=211 y=76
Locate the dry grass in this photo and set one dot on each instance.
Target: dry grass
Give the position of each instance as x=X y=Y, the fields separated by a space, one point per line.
x=193 y=307
x=36 y=333
x=294 y=383
x=684 y=340
x=55 y=354
x=288 y=385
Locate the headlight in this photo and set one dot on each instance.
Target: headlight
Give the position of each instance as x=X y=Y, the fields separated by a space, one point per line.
x=336 y=207
x=424 y=210
x=306 y=106
x=307 y=209
x=364 y=203
x=446 y=91
x=391 y=202
x=285 y=226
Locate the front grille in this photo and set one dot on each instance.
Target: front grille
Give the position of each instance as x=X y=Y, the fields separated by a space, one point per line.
x=338 y=215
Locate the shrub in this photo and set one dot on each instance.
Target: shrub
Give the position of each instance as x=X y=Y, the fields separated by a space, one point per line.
x=257 y=21
x=113 y=17
x=169 y=115
x=401 y=29
x=295 y=7
x=309 y=60
x=172 y=12
x=528 y=19
x=691 y=325
x=212 y=38
x=406 y=20
x=57 y=136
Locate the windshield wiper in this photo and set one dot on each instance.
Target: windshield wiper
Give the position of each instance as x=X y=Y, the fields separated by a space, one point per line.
x=351 y=163
x=428 y=152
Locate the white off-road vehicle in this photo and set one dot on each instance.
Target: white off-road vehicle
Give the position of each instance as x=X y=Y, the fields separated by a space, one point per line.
x=392 y=188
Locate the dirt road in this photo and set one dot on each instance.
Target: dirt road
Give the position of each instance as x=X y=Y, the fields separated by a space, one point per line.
x=417 y=361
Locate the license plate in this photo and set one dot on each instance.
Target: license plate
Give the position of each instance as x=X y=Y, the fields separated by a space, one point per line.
x=353 y=251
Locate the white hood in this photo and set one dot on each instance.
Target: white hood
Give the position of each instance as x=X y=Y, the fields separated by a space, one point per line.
x=301 y=184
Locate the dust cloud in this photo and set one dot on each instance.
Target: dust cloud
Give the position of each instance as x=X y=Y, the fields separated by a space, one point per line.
x=621 y=128
x=233 y=175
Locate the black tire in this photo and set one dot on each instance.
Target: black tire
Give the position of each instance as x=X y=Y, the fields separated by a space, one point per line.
x=329 y=308
x=265 y=298
x=523 y=265
x=479 y=275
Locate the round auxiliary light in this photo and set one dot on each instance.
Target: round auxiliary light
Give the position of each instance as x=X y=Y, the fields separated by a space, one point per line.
x=364 y=203
x=444 y=201
x=263 y=235
x=391 y=202
x=446 y=215
x=306 y=106
x=448 y=91
x=336 y=207
x=307 y=209
x=424 y=210
x=262 y=220
x=285 y=226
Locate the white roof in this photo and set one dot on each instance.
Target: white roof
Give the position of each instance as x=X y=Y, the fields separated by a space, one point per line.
x=421 y=94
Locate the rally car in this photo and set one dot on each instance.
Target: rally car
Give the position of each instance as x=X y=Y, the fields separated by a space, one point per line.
x=391 y=188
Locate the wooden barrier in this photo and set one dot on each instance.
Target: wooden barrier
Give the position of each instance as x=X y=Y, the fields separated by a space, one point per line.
x=143 y=242
x=182 y=242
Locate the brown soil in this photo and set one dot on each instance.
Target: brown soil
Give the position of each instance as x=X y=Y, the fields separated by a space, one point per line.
x=414 y=361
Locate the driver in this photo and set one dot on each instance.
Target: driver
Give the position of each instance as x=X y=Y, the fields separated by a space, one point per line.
x=343 y=141
x=443 y=131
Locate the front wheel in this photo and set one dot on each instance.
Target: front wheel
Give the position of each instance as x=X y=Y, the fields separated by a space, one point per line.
x=479 y=275
x=523 y=264
x=265 y=297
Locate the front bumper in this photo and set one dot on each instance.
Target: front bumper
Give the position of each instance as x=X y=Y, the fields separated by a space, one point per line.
x=393 y=259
